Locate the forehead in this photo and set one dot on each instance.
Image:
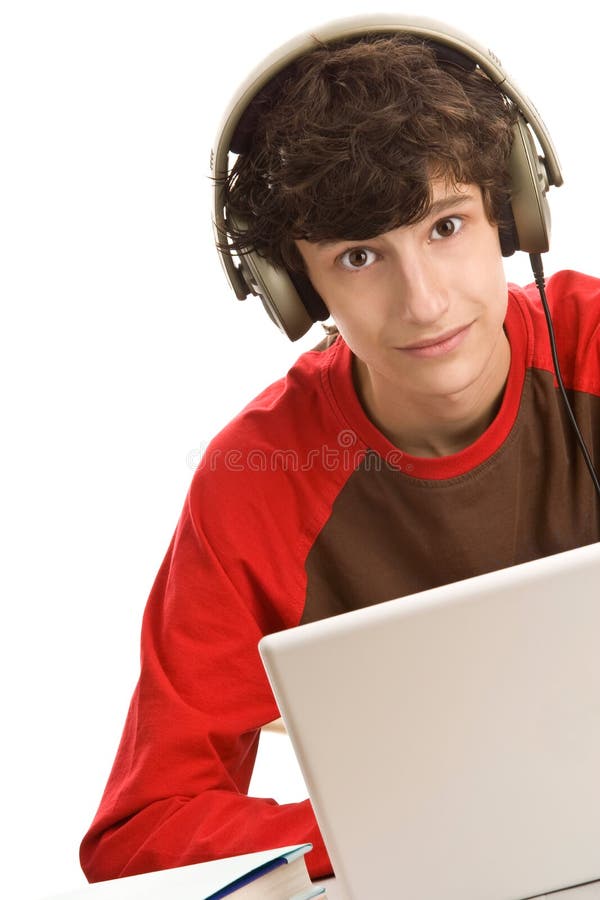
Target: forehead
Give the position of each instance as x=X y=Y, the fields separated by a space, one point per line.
x=444 y=197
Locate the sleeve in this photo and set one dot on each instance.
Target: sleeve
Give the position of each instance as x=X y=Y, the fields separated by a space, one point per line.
x=177 y=793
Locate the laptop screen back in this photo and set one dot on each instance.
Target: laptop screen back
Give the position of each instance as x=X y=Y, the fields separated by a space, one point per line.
x=450 y=740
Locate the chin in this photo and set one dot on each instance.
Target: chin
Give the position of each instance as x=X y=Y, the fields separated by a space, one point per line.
x=454 y=381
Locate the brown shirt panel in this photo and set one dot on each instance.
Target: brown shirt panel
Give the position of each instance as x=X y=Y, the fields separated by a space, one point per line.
x=390 y=534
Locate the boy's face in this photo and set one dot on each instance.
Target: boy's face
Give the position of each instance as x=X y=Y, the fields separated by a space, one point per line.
x=421 y=307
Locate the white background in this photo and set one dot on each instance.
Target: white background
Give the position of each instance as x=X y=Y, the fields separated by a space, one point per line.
x=123 y=351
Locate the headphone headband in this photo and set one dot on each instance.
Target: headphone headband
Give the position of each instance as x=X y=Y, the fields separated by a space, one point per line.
x=250 y=276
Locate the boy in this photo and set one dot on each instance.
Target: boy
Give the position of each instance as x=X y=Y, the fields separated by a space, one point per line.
x=423 y=442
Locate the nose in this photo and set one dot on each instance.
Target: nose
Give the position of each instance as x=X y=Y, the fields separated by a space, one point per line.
x=419 y=291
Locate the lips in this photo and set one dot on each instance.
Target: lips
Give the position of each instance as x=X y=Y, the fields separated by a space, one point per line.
x=432 y=342
x=438 y=345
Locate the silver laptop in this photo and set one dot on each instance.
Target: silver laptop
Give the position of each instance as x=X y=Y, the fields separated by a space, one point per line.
x=450 y=740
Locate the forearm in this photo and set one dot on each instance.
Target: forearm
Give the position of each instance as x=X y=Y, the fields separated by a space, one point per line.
x=179 y=831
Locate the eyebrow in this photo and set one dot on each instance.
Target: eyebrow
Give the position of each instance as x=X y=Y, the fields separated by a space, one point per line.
x=438 y=206
x=445 y=203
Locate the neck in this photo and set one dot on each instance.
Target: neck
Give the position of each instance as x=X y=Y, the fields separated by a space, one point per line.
x=436 y=426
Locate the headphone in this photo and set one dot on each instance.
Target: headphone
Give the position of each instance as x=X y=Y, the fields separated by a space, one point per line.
x=289 y=299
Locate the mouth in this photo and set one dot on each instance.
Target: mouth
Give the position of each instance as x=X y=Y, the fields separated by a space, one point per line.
x=439 y=344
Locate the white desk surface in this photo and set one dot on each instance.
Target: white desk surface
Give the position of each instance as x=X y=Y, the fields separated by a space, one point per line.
x=585 y=892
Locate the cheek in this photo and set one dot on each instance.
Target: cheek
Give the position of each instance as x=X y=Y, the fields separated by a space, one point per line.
x=491 y=264
x=360 y=331
x=486 y=275
x=354 y=311
x=365 y=318
x=493 y=322
x=500 y=293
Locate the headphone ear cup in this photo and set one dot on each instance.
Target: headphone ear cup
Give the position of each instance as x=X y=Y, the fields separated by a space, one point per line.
x=278 y=293
x=529 y=185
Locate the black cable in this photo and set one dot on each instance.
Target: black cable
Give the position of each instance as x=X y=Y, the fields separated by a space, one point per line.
x=538 y=272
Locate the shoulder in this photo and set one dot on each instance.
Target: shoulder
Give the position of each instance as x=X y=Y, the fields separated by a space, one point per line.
x=568 y=291
x=292 y=411
x=574 y=304
x=277 y=467
x=573 y=299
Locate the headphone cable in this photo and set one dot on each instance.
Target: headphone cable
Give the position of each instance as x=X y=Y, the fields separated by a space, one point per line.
x=540 y=280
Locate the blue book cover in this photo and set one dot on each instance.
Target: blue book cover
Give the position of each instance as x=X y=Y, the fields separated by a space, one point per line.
x=285 y=857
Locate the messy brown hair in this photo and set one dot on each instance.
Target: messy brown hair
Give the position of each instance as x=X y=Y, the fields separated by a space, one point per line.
x=345 y=143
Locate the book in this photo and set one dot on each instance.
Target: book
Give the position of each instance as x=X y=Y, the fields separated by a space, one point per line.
x=278 y=874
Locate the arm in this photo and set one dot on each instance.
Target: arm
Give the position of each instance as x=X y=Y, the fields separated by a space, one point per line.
x=177 y=791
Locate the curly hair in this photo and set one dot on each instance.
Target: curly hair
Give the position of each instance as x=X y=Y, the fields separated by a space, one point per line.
x=346 y=146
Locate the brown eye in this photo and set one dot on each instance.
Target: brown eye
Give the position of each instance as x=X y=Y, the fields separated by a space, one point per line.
x=357 y=258
x=445 y=228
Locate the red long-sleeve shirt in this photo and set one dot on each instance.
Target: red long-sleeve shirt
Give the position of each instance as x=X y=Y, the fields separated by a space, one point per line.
x=302 y=509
